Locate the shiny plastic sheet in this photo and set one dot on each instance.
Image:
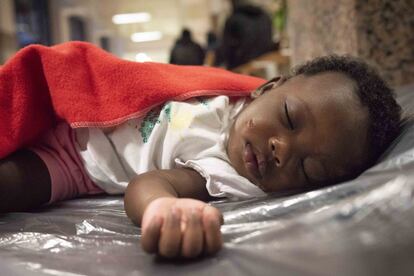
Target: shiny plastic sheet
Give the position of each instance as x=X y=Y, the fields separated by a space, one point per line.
x=362 y=227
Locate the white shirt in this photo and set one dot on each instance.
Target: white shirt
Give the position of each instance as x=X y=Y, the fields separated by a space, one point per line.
x=189 y=134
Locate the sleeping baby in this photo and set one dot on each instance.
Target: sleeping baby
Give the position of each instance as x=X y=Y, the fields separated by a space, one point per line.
x=325 y=123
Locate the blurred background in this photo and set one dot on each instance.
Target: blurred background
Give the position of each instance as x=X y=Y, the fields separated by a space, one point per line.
x=257 y=37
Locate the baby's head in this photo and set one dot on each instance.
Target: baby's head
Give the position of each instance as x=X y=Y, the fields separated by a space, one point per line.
x=326 y=123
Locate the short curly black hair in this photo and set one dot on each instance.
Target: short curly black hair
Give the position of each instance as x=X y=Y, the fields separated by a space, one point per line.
x=385 y=122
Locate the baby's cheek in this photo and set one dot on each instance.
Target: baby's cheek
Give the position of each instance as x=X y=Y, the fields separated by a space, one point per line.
x=283 y=182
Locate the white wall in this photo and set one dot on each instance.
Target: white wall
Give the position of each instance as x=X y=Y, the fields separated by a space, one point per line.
x=7 y=30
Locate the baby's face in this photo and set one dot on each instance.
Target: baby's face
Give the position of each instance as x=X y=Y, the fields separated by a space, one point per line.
x=303 y=133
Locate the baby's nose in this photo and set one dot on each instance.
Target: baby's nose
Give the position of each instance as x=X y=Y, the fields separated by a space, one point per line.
x=280 y=151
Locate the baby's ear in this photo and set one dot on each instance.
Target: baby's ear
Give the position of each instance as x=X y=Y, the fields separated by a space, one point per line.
x=273 y=83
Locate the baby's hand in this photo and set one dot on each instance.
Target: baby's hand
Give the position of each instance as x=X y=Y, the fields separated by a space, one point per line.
x=181 y=227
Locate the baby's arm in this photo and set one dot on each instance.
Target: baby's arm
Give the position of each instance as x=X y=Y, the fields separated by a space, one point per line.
x=175 y=221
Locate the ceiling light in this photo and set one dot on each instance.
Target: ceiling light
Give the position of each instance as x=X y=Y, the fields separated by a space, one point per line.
x=127 y=18
x=146 y=36
x=142 y=57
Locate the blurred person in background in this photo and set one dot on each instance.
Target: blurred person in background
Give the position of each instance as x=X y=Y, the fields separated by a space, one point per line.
x=247 y=34
x=186 y=51
x=211 y=49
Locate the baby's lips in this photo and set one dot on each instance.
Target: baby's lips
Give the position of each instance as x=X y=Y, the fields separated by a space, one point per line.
x=251 y=161
x=261 y=163
x=262 y=168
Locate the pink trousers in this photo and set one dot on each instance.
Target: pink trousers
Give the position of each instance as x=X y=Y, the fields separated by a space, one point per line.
x=59 y=150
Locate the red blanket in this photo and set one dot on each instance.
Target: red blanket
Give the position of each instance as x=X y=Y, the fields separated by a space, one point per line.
x=85 y=86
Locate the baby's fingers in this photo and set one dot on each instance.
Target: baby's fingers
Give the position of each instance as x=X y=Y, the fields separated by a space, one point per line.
x=170 y=241
x=151 y=235
x=212 y=219
x=193 y=236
